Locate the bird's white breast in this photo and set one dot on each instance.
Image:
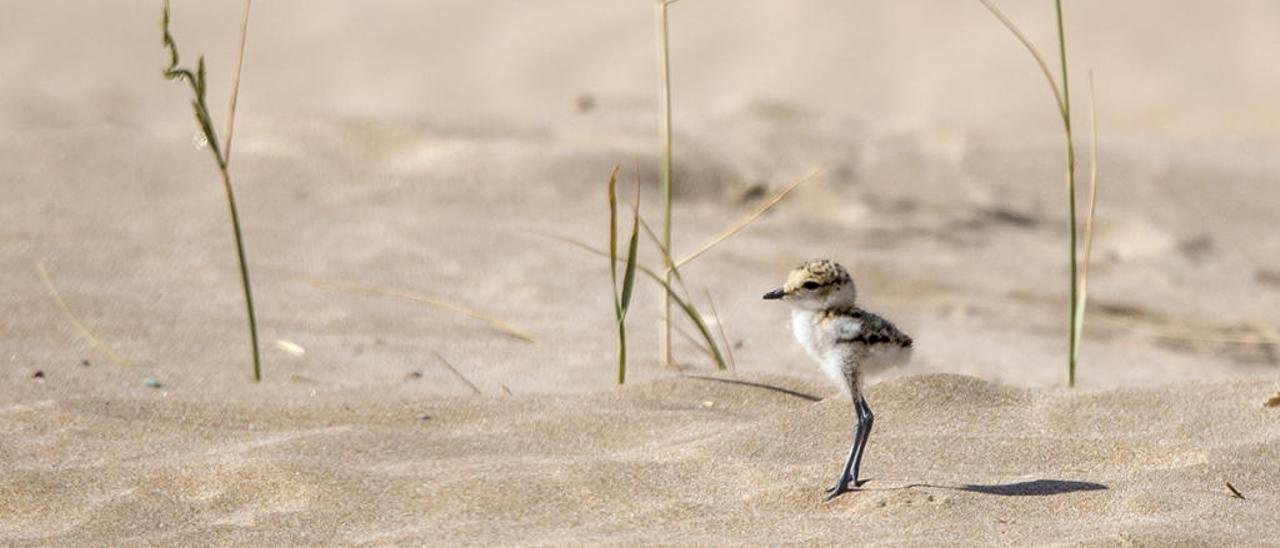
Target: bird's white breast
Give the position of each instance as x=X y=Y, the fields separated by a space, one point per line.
x=819 y=341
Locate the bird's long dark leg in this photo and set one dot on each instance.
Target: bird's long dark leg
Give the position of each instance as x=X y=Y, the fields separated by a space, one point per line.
x=848 y=472
x=865 y=419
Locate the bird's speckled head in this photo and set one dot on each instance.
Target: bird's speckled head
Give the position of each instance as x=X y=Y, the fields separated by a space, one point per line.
x=817 y=284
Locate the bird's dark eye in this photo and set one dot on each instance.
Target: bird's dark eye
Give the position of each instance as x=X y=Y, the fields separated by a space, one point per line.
x=810 y=285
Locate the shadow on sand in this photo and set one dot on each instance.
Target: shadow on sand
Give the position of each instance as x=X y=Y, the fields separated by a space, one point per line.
x=779 y=389
x=1033 y=488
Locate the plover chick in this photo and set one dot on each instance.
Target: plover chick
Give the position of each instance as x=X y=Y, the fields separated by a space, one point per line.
x=844 y=340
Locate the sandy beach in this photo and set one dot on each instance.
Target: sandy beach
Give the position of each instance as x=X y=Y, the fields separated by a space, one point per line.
x=393 y=157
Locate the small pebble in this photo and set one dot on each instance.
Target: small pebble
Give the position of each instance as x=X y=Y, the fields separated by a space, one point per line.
x=424 y=417
x=414 y=375
x=38 y=375
x=151 y=383
x=84 y=363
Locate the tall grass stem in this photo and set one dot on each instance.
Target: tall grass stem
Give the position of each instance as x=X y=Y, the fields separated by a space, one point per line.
x=1062 y=98
x=664 y=107
x=198 y=81
x=1075 y=320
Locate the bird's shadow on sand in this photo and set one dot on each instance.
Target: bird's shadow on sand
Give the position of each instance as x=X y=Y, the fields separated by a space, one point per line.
x=1032 y=488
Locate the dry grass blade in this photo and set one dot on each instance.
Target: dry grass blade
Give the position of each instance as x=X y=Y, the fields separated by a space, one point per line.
x=457 y=373
x=1083 y=297
x=75 y=322
x=687 y=302
x=691 y=340
x=613 y=238
x=343 y=285
x=1044 y=67
x=724 y=339
x=766 y=206
x=235 y=80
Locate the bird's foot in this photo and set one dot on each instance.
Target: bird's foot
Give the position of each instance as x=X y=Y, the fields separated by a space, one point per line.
x=841 y=487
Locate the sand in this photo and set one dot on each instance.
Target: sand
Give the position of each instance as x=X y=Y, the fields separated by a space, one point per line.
x=954 y=460
x=395 y=155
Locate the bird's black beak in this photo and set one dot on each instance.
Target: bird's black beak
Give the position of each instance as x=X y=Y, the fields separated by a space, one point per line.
x=774 y=295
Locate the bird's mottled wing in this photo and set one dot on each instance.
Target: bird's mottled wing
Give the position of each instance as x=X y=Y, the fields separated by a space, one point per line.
x=870 y=330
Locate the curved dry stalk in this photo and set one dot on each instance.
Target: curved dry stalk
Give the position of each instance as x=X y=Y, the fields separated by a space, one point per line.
x=1026 y=42
x=344 y=285
x=734 y=228
x=75 y=322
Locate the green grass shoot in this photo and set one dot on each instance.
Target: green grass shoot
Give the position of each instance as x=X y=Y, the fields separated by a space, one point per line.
x=221 y=153
x=622 y=299
x=1062 y=97
x=689 y=310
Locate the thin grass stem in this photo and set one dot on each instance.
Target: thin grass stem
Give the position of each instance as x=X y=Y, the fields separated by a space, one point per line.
x=244 y=275
x=1075 y=320
x=689 y=339
x=1062 y=98
x=235 y=81
x=724 y=339
x=457 y=373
